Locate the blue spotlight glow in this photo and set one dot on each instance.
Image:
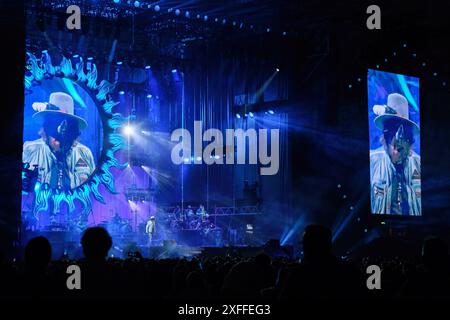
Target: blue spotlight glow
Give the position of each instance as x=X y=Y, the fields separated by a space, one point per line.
x=119 y=63
x=268 y=29
x=44 y=51
x=149 y=96
x=224 y=21
x=147 y=67
x=238 y=115
x=205 y=18
x=271 y=112
x=174 y=70
x=198 y=16
x=90 y=58
x=277 y=70
x=116 y=1
x=137 y=4
x=157 y=8
x=177 y=12
x=121 y=92
x=251 y=114
x=187 y=14
x=128 y=130
x=75 y=55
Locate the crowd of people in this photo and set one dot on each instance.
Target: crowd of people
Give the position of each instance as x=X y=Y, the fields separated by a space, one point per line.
x=318 y=275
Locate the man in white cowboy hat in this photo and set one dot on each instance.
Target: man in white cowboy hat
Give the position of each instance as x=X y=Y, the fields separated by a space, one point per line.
x=150 y=229
x=62 y=161
x=395 y=167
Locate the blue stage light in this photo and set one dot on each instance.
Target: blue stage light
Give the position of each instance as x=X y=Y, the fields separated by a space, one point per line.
x=137 y=4
x=128 y=130
x=277 y=70
x=75 y=55
x=174 y=70
x=116 y=1
x=268 y=29
x=251 y=114
x=147 y=67
x=205 y=18
x=177 y=12
x=119 y=63
x=198 y=16
x=224 y=21
x=90 y=58
x=121 y=92
x=284 y=33
x=157 y=8
x=271 y=112
x=149 y=96
x=187 y=14
x=238 y=115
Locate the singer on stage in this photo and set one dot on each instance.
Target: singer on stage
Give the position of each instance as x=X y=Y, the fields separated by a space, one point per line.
x=150 y=229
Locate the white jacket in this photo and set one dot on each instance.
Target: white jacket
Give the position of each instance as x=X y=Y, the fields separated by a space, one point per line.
x=80 y=161
x=381 y=177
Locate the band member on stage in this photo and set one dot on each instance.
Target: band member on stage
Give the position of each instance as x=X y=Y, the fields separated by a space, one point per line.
x=395 y=167
x=61 y=160
x=189 y=212
x=201 y=212
x=150 y=229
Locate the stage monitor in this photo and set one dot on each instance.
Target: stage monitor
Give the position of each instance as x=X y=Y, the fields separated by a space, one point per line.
x=394 y=133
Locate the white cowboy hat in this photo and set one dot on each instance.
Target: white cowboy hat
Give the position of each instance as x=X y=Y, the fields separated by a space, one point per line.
x=59 y=103
x=396 y=108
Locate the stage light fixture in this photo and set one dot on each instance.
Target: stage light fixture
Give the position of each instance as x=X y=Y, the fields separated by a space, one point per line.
x=137 y=4
x=238 y=115
x=119 y=63
x=149 y=96
x=128 y=130
x=205 y=18
x=157 y=8
x=121 y=92
x=198 y=16
x=147 y=67
x=187 y=14
x=224 y=21
x=116 y=1
x=251 y=114
x=271 y=112
x=284 y=33
x=268 y=29
x=75 y=55
x=90 y=58
x=277 y=69
x=177 y=12
x=174 y=70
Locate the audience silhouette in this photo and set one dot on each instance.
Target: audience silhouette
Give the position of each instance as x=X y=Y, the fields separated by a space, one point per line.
x=318 y=275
